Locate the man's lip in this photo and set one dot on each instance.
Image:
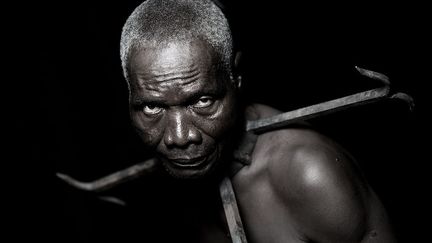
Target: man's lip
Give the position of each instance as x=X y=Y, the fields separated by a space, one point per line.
x=186 y=162
x=192 y=162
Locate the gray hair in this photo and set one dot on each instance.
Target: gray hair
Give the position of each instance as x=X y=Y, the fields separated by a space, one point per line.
x=158 y=22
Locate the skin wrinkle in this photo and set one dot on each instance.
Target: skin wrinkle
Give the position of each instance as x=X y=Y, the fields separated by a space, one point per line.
x=166 y=95
x=311 y=200
x=174 y=84
x=157 y=65
x=181 y=129
x=186 y=76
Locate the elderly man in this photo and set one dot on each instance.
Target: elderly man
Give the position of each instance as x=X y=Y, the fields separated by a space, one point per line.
x=291 y=184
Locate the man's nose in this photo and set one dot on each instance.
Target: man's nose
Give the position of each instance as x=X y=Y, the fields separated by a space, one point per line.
x=180 y=131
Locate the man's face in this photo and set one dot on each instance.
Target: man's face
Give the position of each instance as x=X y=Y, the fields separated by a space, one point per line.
x=182 y=106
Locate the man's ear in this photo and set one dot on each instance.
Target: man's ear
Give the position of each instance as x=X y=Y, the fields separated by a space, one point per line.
x=237 y=72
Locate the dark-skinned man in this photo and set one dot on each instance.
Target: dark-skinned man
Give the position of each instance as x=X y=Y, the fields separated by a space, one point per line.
x=295 y=185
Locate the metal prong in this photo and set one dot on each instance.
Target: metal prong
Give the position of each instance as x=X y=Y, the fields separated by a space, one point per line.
x=113 y=200
x=374 y=75
x=114 y=179
x=85 y=186
x=405 y=97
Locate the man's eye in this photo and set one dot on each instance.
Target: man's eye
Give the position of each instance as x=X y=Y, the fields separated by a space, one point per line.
x=204 y=102
x=151 y=109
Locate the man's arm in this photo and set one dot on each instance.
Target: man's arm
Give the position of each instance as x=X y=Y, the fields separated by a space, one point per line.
x=326 y=195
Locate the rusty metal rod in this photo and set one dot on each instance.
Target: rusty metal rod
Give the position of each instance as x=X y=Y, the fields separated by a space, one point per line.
x=287 y=118
x=232 y=214
x=113 y=179
x=260 y=125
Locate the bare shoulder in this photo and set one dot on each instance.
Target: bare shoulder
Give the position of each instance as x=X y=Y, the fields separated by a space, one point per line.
x=304 y=159
x=318 y=183
x=314 y=166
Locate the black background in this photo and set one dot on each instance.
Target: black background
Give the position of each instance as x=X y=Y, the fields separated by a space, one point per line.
x=69 y=99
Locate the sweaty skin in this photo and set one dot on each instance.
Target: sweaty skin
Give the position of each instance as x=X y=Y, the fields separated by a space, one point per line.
x=182 y=106
x=300 y=186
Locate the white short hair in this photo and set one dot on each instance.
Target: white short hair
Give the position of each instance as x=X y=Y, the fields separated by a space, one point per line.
x=157 y=22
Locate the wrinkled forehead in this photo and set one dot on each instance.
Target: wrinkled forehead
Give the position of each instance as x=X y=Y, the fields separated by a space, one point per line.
x=172 y=57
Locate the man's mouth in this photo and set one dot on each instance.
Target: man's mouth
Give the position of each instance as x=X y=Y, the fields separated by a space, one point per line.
x=191 y=162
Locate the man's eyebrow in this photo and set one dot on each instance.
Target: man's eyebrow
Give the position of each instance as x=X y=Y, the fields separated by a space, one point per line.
x=141 y=101
x=192 y=97
x=215 y=93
